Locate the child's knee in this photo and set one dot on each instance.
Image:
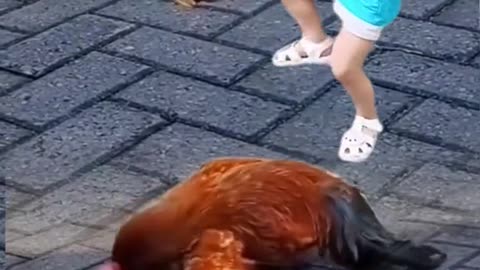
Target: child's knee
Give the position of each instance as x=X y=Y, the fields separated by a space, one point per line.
x=345 y=72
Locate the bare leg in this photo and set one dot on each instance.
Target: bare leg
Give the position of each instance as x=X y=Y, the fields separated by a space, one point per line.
x=313 y=47
x=305 y=14
x=347 y=60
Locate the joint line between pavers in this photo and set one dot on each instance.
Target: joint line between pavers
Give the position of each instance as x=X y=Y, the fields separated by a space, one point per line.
x=105 y=158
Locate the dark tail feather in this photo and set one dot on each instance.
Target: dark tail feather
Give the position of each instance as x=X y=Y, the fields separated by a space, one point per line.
x=360 y=238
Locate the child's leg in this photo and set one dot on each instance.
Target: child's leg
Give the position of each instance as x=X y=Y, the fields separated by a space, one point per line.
x=314 y=44
x=347 y=59
x=361 y=27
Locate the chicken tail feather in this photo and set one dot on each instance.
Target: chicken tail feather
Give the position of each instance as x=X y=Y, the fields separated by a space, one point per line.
x=360 y=238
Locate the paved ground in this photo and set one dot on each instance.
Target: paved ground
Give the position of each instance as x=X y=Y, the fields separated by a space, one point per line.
x=105 y=104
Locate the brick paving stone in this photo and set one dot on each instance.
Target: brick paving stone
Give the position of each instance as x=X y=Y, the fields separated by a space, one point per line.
x=474 y=262
x=421 y=9
x=65 y=89
x=93 y=133
x=439 y=185
x=403 y=216
x=455 y=254
x=11 y=260
x=460 y=235
x=9 y=80
x=7 y=36
x=443 y=121
x=38 y=244
x=319 y=127
x=36 y=55
x=168 y=15
x=393 y=156
x=243 y=6
x=401 y=70
x=103 y=240
x=12 y=235
x=317 y=131
x=194 y=100
x=271 y=30
x=186 y=148
x=105 y=186
x=10 y=133
x=196 y=57
x=7 y=4
x=15 y=197
x=432 y=39
x=462 y=13
x=42 y=14
x=72 y=257
x=290 y=83
x=43 y=218
x=476 y=61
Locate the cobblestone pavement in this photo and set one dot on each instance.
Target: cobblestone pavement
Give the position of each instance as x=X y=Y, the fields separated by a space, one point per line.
x=105 y=104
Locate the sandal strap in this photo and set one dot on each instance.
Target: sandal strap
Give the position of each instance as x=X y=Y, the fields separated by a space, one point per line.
x=311 y=49
x=373 y=124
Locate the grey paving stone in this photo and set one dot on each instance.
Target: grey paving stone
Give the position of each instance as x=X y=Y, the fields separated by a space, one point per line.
x=394 y=212
x=44 y=218
x=8 y=80
x=105 y=186
x=194 y=100
x=460 y=235
x=103 y=240
x=7 y=36
x=10 y=133
x=474 y=262
x=199 y=58
x=393 y=156
x=58 y=93
x=421 y=9
x=400 y=69
x=439 y=185
x=455 y=254
x=168 y=15
x=271 y=30
x=59 y=152
x=43 y=14
x=36 y=55
x=318 y=129
x=12 y=235
x=38 y=244
x=72 y=257
x=15 y=197
x=186 y=148
x=290 y=83
x=462 y=13
x=476 y=61
x=243 y=6
x=11 y=260
x=432 y=39
x=443 y=121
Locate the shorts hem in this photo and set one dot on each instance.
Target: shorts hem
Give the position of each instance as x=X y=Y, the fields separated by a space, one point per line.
x=355 y=25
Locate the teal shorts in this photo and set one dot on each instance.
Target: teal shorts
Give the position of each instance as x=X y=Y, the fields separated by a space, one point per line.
x=367 y=18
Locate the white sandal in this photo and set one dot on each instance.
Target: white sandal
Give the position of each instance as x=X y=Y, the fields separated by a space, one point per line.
x=314 y=53
x=359 y=141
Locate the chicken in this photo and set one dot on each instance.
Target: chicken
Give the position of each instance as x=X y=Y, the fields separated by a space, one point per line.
x=284 y=213
x=217 y=250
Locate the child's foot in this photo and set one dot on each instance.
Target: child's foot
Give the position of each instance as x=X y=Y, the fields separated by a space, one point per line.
x=302 y=52
x=359 y=141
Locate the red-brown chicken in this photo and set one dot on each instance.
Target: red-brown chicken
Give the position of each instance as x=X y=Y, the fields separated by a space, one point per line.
x=284 y=213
